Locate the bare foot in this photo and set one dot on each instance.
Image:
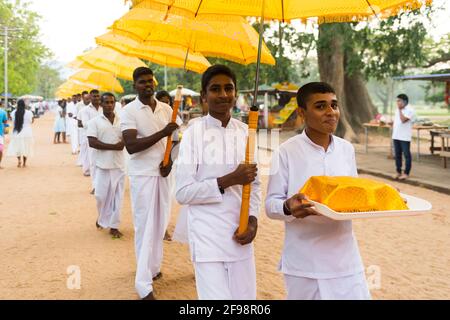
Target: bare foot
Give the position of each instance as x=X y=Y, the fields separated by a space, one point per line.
x=93 y=191
x=157 y=277
x=403 y=177
x=116 y=234
x=99 y=227
x=167 y=236
x=19 y=165
x=397 y=176
x=150 y=296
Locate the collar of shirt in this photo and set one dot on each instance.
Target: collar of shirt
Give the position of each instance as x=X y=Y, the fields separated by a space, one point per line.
x=305 y=138
x=116 y=119
x=213 y=122
x=143 y=106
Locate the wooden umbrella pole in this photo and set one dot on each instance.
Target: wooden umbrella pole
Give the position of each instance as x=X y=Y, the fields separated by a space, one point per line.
x=249 y=154
x=252 y=126
x=176 y=106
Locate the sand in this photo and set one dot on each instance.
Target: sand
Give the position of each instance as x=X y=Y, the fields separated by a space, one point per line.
x=48 y=235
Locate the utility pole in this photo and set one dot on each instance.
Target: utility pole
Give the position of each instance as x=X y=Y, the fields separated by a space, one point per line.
x=6 y=34
x=6 y=68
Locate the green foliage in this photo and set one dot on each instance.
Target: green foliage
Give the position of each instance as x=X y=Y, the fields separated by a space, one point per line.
x=26 y=52
x=49 y=80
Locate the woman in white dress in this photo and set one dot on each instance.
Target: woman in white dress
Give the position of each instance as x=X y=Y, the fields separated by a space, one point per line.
x=60 y=122
x=21 y=145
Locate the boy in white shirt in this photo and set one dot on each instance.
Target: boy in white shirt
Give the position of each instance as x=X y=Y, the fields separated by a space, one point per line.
x=320 y=258
x=105 y=136
x=146 y=123
x=401 y=135
x=209 y=179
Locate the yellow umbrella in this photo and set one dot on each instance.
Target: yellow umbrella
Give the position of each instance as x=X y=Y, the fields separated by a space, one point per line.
x=100 y=80
x=80 y=64
x=165 y=54
x=74 y=86
x=228 y=37
x=286 y=10
x=109 y=60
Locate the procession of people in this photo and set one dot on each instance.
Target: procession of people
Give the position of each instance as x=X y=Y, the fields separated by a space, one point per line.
x=110 y=142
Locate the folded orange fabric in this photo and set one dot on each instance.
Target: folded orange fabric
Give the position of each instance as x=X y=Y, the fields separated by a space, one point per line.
x=350 y=194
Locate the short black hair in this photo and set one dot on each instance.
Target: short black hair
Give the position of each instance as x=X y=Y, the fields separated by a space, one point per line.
x=138 y=72
x=215 y=70
x=84 y=92
x=404 y=97
x=163 y=93
x=311 y=88
x=94 y=91
x=107 y=94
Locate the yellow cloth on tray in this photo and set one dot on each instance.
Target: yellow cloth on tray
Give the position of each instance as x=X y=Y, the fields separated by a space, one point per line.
x=350 y=194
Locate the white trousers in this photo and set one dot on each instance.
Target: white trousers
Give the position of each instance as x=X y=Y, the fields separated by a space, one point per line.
x=92 y=166
x=84 y=153
x=73 y=129
x=150 y=200
x=226 y=280
x=352 y=287
x=109 y=195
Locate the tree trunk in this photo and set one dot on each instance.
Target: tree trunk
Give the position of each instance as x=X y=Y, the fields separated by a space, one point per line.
x=358 y=102
x=331 y=58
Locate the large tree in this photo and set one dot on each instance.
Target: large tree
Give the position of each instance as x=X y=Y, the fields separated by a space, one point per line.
x=349 y=54
x=26 y=52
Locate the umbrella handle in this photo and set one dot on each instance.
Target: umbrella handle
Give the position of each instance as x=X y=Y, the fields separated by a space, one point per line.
x=249 y=154
x=176 y=106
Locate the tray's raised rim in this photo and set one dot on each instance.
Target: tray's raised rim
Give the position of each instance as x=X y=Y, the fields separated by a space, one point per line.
x=423 y=207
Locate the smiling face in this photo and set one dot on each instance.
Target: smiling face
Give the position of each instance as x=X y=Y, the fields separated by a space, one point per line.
x=145 y=86
x=321 y=113
x=220 y=95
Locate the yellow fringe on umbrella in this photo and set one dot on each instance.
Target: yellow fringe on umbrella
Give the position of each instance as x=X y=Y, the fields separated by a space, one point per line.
x=388 y=12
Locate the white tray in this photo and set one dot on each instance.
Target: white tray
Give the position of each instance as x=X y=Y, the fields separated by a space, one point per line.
x=416 y=207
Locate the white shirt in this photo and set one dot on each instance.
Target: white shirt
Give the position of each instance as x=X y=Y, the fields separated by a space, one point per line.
x=79 y=106
x=207 y=152
x=147 y=122
x=71 y=108
x=403 y=131
x=26 y=127
x=314 y=247
x=88 y=113
x=105 y=131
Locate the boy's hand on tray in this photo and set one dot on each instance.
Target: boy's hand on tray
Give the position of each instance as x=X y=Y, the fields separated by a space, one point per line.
x=299 y=207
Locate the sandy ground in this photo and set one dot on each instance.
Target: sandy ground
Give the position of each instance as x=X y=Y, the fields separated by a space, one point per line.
x=47 y=231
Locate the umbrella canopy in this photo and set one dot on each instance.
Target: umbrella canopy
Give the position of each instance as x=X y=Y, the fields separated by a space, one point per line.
x=71 y=87
x=109 y=60
x=285 y=10
x=165 y=54
x=100 y=80
x=80 y=64
x=228 y=37
x=185 y=92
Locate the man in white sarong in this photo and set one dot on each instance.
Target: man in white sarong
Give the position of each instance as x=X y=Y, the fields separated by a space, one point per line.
x=105 y=136
x=146 y=124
